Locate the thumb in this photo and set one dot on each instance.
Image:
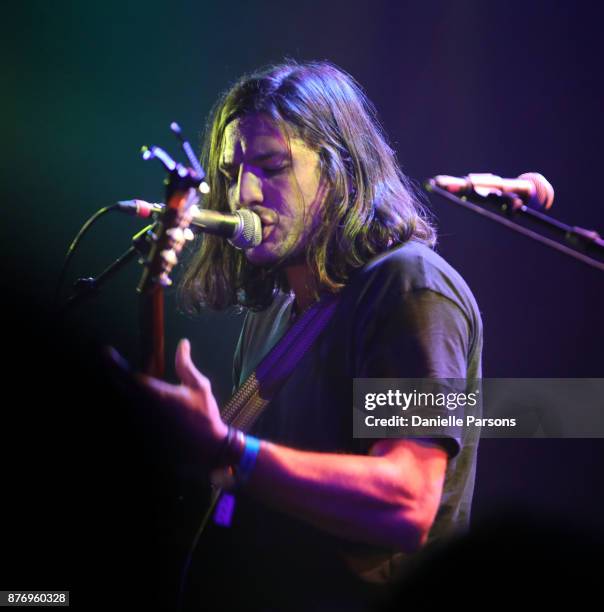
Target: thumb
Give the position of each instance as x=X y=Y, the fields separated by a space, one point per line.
x=185 y=368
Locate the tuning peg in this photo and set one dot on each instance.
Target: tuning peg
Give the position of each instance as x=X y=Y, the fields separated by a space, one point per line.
x=169 y=256
x=176 y=234
x=164 y=280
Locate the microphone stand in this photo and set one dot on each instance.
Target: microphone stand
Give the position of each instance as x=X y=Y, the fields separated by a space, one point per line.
x=584 y=245
x=86 y=288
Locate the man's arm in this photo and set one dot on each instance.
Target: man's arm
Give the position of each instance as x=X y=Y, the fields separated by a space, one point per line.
x=387 y=499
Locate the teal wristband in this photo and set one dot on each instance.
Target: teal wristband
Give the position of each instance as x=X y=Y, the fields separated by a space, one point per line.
x=248 y=460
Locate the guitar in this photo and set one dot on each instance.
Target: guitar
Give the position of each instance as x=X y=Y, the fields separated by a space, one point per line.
x=166 y=241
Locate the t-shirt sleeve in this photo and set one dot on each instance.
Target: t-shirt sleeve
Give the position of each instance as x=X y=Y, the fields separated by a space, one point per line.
x=424 y=335
x=418 y=334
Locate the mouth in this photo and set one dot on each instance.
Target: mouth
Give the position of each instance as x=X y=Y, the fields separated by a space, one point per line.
x=267 y=215
x=268 y=218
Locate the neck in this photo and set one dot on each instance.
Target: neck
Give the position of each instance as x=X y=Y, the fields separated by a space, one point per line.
x=299 y=278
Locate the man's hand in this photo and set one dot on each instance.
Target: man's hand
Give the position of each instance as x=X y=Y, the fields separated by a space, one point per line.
x=193 y=403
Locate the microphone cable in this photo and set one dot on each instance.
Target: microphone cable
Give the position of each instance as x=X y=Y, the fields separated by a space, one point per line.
x=74 y=245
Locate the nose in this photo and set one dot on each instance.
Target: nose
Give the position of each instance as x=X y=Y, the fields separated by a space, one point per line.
x=249 y=188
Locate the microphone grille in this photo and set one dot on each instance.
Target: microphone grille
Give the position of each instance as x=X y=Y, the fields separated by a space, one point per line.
x=251 y=230
x=544 y=192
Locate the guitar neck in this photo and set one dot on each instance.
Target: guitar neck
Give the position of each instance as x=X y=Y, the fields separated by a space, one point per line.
x=151 y=325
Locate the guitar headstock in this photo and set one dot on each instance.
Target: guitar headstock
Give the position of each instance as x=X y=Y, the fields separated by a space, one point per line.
x=184 y=187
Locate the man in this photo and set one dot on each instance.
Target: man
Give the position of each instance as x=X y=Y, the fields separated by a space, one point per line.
x=323 y=520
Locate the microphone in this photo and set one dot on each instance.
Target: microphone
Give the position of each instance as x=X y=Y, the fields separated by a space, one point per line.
x=242 y=228
x=531 y=188
x=139 y=208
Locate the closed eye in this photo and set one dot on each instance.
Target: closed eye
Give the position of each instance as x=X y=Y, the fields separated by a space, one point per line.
x=272 y=171
x=231 y=174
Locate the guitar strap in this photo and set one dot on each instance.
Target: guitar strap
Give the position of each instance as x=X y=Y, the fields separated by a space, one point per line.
x=253 y=396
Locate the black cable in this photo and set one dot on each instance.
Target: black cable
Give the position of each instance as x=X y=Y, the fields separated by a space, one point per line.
x=180 y=602
x=72 y=247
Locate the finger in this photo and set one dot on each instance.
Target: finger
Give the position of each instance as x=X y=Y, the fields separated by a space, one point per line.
x=114 y=358
x=185 y=368
x=119 y=370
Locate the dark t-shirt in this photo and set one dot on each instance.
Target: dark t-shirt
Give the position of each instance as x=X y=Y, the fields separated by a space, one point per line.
x=407 y=314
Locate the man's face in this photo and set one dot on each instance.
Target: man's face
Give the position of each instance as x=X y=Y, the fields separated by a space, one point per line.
x=277 y=176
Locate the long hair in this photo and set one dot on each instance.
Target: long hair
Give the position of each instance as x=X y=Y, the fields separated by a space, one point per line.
x=369 y=207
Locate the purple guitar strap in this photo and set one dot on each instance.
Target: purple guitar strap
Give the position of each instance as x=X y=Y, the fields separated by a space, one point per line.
x=253 y=396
